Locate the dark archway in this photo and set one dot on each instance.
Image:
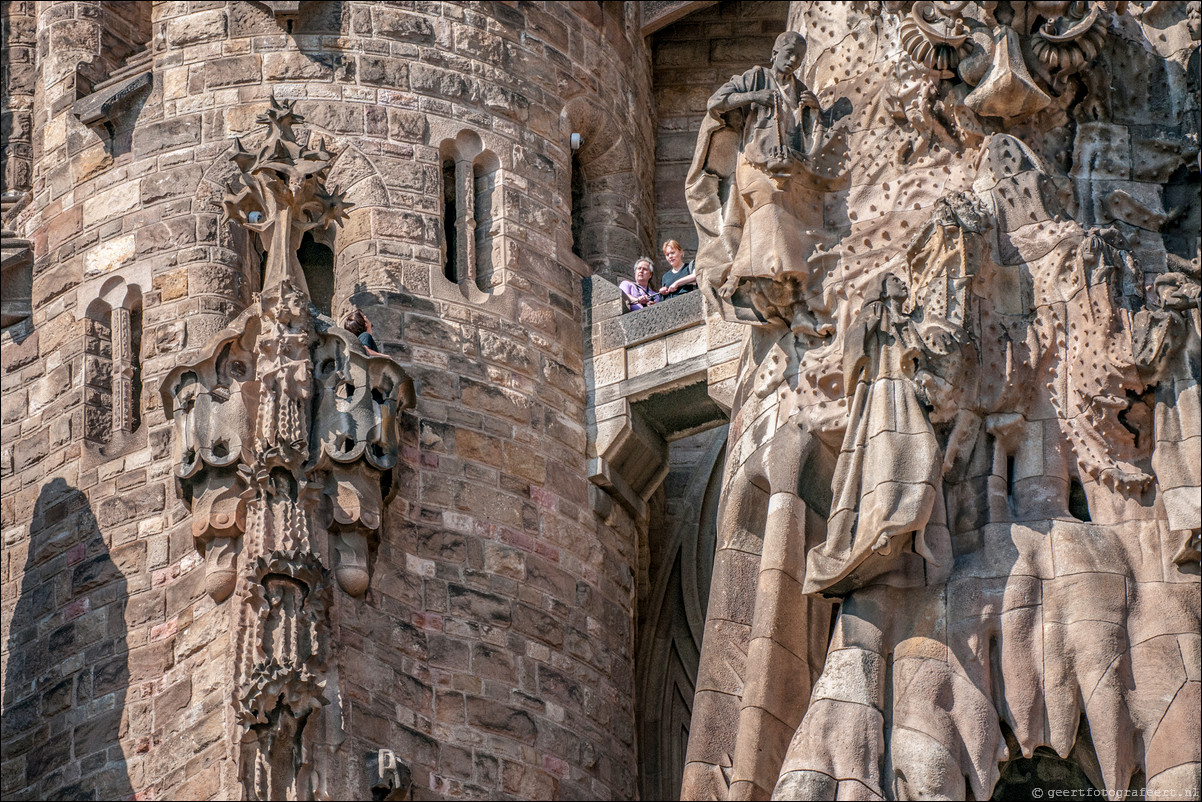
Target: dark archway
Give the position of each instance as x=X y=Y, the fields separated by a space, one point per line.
x=317 y=260
x=673 y=597
x=1042 y=774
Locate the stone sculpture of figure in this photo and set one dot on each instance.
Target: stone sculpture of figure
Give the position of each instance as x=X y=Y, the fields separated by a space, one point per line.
x=886 y=517
x=1169 y=350
x=775 y=101
x=743 y=192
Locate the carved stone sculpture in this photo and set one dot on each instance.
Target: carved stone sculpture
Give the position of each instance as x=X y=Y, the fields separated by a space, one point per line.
x=214 y=407
x=960 y=429
x=1169 y=350
x=285 y=439
x=887 y=512
x=765 y=230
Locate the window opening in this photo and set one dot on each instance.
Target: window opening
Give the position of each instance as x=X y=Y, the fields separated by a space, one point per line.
x=98 y=374
x=577 y=207
x=317 y=262
x=135 y=369
x=449 y=218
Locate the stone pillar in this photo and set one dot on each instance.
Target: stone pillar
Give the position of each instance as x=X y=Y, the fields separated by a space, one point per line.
x=465 y=220
x=123 y=371
x=20 y=79
x=69 y=34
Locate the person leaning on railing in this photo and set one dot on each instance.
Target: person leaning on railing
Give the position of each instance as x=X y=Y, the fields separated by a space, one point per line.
x=681 y=278
x=357 y=324
x=638 y=292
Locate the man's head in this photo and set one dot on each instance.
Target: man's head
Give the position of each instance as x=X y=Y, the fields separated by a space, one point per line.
x=642 y=271
x=788 y=52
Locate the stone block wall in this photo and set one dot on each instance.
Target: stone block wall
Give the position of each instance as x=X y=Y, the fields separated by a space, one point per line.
x=494 y=651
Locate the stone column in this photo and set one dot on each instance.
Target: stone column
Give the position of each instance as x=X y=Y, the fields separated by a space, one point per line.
x=465 y=220
x=20 y=79
x=68 y=33
x=123 y=371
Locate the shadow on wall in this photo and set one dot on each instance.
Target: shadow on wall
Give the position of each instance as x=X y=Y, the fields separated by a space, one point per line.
x=67 y=663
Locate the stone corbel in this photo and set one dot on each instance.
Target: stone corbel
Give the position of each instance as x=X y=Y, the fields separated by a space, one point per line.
x=109 y=98
x=99 y=109
x=213 y=404
x=628 y=458
x=283 y=10
x=16 y=269
x=355 y=446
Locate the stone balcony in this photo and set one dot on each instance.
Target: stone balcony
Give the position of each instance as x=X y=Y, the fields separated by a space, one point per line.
x=654 y=376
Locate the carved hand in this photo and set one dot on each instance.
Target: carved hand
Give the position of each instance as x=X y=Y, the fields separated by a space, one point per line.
x=763 y=97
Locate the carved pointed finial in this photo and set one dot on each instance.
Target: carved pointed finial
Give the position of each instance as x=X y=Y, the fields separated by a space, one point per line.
x=280 y=194
x=242 y=157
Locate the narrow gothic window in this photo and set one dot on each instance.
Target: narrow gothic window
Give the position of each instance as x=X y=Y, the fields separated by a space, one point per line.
x=577 y=206
x=449 y=219
x=112 y=372
x=473 y=214
x=98 y=374
x=317 y=261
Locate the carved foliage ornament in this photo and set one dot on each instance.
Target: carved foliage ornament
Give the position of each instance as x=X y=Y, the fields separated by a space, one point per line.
x=984 y=45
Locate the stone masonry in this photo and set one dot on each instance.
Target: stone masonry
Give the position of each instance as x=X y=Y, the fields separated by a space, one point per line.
x=522 y=617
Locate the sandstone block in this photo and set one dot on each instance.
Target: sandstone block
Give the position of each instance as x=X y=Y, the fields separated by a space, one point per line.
x=232 y=71
x=196 y=28
x=167 y=135
x=501 y=719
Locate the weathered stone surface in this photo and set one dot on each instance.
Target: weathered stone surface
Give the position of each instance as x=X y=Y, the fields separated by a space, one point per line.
x=893 y=363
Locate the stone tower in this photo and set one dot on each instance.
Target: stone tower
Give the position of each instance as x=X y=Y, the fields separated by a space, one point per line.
x=492 y=649
x=248 y=553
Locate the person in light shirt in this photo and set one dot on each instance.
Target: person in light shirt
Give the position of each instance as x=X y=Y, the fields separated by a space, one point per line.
x=639 y=292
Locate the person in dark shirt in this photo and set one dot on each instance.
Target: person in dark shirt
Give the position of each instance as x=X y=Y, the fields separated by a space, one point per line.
x=357 y=324
x=681 y=278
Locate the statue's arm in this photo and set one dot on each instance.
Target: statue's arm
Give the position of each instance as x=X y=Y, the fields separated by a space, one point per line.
x=738 y=92
x=1151 y=339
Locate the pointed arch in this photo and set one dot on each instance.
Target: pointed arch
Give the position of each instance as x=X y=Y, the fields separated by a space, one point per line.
x=607 y=230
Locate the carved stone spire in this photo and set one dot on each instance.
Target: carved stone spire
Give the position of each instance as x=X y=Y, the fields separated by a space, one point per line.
x=280 y=194
x=284 y=443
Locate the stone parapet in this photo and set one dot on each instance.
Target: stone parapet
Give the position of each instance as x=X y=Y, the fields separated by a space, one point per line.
x=649 y=383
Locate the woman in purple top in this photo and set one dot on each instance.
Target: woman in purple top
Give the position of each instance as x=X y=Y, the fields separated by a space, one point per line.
x=638 y=292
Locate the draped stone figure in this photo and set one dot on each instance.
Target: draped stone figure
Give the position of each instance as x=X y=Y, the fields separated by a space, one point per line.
x=961 y=469
x=885 y=522
x=1169 y=348
x=763 y=223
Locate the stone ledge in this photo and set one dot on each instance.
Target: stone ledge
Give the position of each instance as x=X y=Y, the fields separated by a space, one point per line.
x=642 y=325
